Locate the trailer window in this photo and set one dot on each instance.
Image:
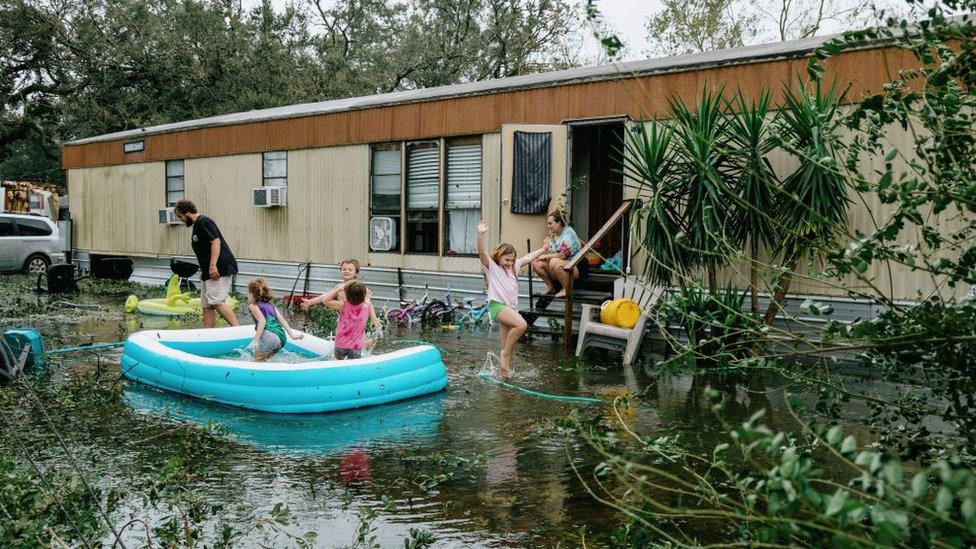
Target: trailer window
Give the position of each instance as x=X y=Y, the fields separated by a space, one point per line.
x=462 y=203
x=174 y=182
x=275 y=169
x=423 y=196
x=385 y=187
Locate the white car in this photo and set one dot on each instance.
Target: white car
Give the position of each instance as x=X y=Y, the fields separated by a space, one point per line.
x=28 y=243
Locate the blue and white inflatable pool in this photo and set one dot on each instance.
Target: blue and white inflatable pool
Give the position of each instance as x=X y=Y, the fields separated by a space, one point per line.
x=196 y=363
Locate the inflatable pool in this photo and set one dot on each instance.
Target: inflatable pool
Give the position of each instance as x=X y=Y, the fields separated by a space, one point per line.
x=175 y=303
x=205 y=364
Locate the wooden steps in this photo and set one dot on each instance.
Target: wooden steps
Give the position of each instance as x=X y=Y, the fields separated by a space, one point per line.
x=593 y=289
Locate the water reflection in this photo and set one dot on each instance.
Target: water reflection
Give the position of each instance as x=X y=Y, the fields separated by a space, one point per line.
x=331 y=434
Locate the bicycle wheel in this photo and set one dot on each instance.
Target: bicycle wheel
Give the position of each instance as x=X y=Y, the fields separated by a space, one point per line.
x=433 y=312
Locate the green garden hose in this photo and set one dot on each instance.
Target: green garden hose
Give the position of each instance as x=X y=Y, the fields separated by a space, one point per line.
x=487 y=377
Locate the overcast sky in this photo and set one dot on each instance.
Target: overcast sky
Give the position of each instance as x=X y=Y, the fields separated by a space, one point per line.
x=628 y=17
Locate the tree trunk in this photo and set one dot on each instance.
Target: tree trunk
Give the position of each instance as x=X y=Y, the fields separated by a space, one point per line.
x=712 y=280
x=782 y=287
x=754 y=281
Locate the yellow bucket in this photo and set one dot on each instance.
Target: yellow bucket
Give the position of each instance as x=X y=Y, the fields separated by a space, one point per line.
x=621 y=312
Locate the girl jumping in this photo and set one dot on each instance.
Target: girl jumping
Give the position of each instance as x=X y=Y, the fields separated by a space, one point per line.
x=501 y=271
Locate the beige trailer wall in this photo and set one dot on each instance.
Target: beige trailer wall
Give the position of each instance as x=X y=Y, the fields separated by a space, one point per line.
x=891 y=279
x=328 y=192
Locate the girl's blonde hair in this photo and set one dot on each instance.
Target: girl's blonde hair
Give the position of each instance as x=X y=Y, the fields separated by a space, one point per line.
x=259 y=289
x=502 y=250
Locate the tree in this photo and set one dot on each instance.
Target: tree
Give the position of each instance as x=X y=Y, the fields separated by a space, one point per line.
x=697 y=26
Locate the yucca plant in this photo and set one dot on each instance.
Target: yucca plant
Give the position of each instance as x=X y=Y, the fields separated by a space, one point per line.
x=812 y=207
x=701 y=180
x=649 y=161
x=750 y=142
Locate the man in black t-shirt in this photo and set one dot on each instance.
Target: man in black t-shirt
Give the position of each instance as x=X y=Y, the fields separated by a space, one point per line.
x=217 y=263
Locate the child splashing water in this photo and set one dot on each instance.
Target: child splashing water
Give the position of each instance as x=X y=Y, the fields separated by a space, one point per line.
x=349 y=271
x=354 y=311
x=501 y=271
x=270 y=326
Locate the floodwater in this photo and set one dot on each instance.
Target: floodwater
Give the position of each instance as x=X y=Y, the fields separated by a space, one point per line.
x=477 y=465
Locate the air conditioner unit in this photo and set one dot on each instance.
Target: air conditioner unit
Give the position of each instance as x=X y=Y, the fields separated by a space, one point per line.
x=382 y=234
x=167 y=216
x=269 y=197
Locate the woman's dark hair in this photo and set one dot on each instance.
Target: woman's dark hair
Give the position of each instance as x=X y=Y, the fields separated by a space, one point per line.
x=557 y=216
x=356 y=293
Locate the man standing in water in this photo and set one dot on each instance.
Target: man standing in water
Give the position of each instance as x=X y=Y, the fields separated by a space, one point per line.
x=217 y=263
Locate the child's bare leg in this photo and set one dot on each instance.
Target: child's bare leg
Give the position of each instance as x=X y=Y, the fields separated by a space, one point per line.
x=516 y=327
x=557 y=266
x=541 y=267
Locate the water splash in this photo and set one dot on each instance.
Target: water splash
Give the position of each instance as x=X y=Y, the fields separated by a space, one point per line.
x=283 y=356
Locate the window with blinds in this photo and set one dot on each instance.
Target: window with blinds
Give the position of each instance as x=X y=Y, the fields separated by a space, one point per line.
x=274 y=168
x=423 y=196
x=174 y=182
x=462 y=196
x=385 y=187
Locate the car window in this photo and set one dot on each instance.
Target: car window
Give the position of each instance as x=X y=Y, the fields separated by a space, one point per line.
x=33 y=227
x=6 y=226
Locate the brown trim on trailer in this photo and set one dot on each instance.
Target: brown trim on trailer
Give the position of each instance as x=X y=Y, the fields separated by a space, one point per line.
x=640 y=97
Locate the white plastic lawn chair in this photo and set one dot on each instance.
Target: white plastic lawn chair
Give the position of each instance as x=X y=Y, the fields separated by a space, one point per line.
x=593 y=333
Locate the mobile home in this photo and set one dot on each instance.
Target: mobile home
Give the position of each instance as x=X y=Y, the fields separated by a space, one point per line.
x=399 y=180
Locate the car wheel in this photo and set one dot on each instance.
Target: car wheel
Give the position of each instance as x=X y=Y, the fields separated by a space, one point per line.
x=36 y=264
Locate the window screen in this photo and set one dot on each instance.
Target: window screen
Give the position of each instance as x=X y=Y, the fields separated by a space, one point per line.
x=274 y=167
x=423 y=196
x=174 y=181
x=462 y=203
x=385 y=184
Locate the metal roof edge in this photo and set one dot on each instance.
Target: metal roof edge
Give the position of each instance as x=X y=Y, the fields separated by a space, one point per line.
x=580 y=75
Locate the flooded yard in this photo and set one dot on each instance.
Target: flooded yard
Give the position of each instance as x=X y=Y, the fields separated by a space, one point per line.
x=477 y=465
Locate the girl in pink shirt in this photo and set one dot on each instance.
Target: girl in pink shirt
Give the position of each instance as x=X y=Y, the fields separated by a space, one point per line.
x=354 y=311
x=501 y=272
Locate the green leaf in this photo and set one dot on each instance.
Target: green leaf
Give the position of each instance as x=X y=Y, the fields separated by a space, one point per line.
x=920 y=484
x=849 y=445
x=943 y=500
x=834 y=434
x=836 y=502
x=891 y=155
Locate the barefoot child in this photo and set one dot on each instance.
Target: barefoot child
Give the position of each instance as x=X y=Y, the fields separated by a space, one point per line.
x=353 y=314
x=270 y=326
x=501 y=272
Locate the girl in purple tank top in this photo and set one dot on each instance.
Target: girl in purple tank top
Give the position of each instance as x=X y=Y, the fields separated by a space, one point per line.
x=270 y=328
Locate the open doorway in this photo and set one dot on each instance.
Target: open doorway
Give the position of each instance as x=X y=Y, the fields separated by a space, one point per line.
x=595 y=181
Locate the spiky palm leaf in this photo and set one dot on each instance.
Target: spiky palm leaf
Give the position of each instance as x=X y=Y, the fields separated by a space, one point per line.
x=702 y=169
x=649 y=161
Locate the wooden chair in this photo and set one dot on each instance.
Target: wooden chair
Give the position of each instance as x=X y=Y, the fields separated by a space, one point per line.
x=593 y=333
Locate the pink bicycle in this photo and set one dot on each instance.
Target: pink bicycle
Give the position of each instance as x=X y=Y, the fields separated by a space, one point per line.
x=405 y=315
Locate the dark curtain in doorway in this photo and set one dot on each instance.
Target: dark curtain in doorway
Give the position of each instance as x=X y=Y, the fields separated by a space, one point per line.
x=532 y=177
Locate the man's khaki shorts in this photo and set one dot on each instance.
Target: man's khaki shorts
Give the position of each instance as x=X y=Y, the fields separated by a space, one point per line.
x=215 y=291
